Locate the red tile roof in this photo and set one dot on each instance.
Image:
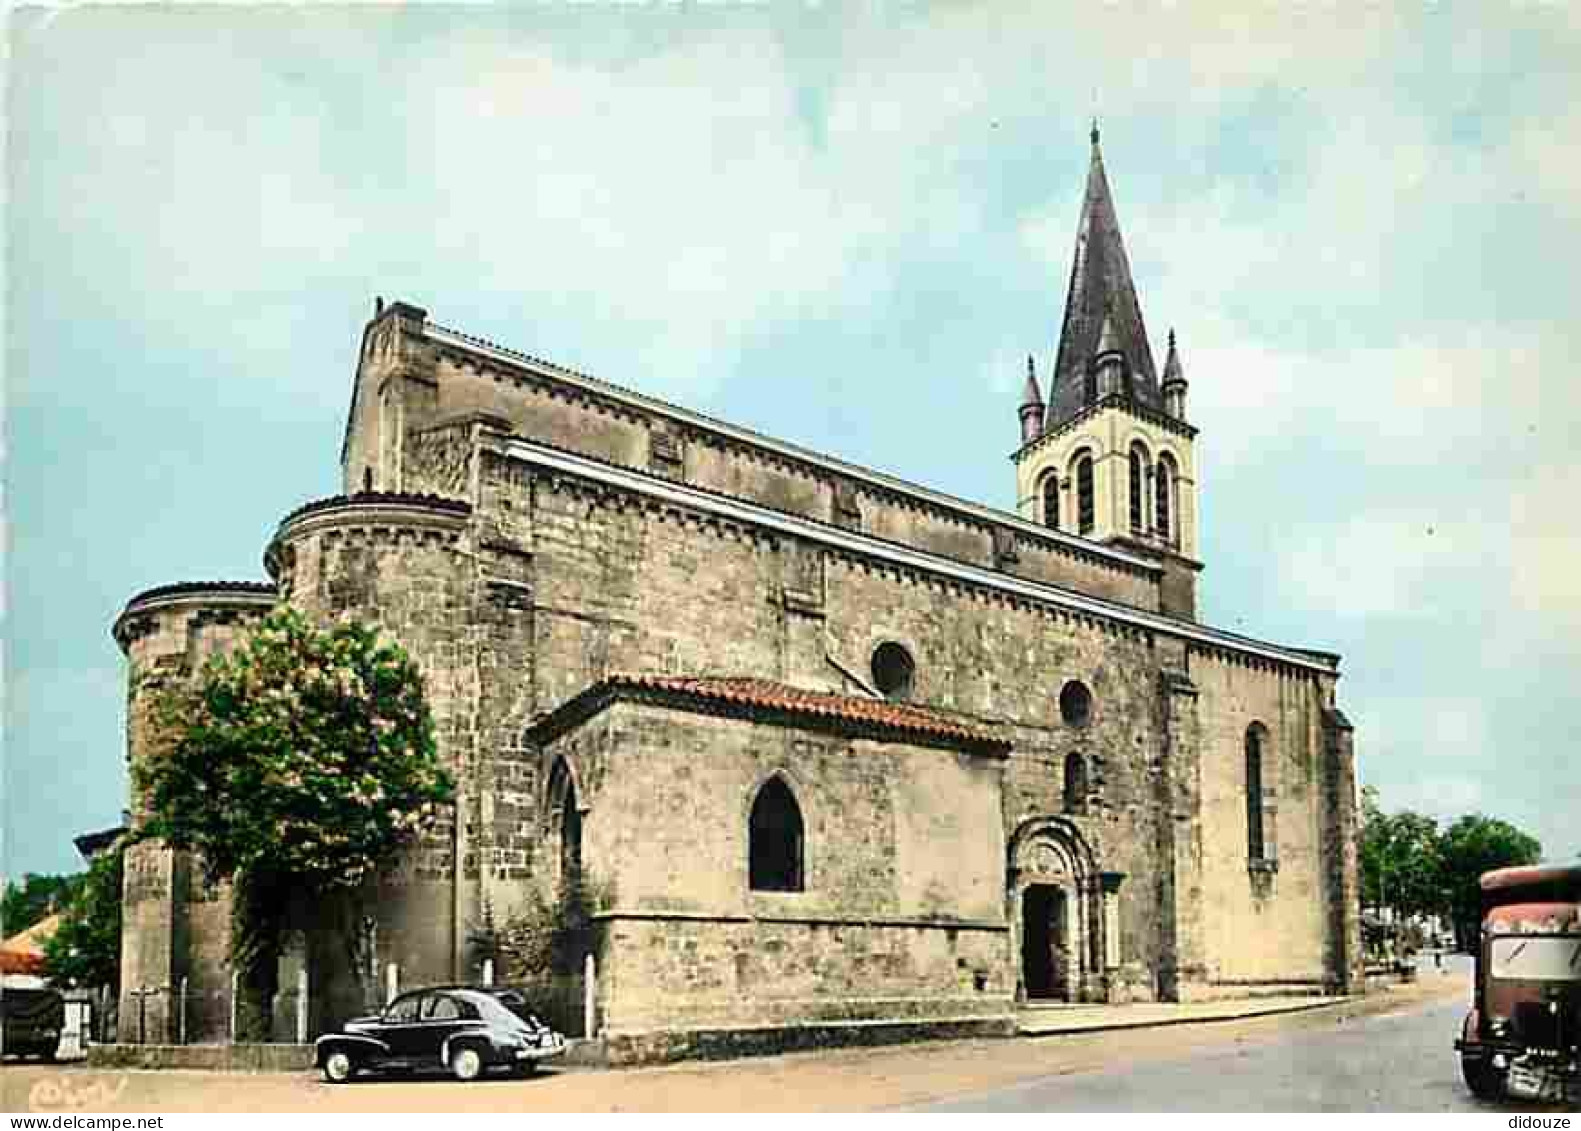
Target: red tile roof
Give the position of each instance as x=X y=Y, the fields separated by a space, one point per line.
x=771 y=697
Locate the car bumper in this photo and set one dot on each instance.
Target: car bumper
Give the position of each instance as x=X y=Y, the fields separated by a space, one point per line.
x=541 y=1052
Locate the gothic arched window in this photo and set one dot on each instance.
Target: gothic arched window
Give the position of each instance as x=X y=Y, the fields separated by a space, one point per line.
x=1075 y=783
x=566 y=819
x=1084 y=493
x=1256 y=849
x=1164 y=495
x=774 y=839
x=1051 y=500
x=1138 y=463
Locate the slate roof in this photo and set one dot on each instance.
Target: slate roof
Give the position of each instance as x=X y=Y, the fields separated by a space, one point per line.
x=771 y=701
x=1101 y=291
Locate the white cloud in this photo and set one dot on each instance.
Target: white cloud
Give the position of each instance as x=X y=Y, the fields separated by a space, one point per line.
x=1406 y=565
x=1546 y=581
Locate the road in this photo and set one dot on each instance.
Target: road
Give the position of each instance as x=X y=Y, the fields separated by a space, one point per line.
x=1389 y=1051
x=1400 y=1061
x=1392 y=1063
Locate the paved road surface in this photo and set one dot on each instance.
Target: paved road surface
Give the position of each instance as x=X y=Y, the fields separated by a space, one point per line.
x=1396 y=1062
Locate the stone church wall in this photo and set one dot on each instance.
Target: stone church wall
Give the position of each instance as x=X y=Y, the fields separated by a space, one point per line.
x=174 y=926
x=402 y=566
x=620 y=585
x=601 y=427
x=901 y=916
x=1261 y=929
x=1005 y=663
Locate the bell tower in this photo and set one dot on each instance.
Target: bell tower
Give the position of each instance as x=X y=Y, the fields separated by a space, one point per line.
x=1112 y=457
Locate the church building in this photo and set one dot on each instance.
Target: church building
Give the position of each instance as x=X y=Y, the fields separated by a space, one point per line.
x=837 y=756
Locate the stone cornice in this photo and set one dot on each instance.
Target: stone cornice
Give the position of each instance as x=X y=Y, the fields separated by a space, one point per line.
x=1113 y=400
x=749 y=514
x=256 y=596
x=371 y=509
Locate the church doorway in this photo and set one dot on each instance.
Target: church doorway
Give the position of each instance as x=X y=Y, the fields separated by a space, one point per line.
x=1044 y=943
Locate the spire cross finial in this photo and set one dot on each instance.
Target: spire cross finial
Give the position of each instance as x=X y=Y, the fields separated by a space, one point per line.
x=1029 y=366
x=1171 y=337
x=1094 y=134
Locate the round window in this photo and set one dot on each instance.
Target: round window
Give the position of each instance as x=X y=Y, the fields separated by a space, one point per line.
x=893 y=670
x=1075 y=703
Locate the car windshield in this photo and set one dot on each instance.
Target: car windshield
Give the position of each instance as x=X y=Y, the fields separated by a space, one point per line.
x=1547 y=958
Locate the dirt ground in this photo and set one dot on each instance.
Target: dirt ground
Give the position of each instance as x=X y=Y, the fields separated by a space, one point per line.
x=844 y=1080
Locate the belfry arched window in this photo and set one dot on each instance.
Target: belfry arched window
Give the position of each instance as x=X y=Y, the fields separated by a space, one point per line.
x=1256 y=846
x=1138 y=492
x=1084 y=493
x=1164 y=497
x=774 y=839
x=1051 y=500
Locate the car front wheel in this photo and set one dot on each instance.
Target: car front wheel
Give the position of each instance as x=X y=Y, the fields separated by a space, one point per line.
x=1485 y=1081
x=466 y=1063
x=338 y=1067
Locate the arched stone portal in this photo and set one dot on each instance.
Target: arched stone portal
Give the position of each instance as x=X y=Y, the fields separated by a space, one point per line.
x=1056 y=906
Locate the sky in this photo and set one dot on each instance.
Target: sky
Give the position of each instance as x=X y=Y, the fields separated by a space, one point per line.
x=845 y=225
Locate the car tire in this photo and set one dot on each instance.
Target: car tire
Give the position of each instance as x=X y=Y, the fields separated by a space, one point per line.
x=466 y=1062
x=339 y=1066
x=1485 y=1081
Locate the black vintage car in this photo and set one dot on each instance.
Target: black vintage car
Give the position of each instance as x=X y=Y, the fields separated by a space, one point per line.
x=464 y=1028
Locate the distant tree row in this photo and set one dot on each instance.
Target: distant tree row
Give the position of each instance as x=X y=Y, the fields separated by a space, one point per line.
x=1412 y=866
x=35 y=897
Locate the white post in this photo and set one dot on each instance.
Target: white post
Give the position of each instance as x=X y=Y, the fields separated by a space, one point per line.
x=1111 y=929
x=589 y=994
x=488 y=971
x=235 y=986
x=392 y=983
x=301 y=1006
x=181 y=1023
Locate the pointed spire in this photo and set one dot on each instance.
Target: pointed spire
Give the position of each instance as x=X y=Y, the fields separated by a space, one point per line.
x=1031 y=394
x=1101 y=293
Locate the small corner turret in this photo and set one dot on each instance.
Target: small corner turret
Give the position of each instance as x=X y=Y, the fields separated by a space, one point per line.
x=1174 y=382
x=1031 y=405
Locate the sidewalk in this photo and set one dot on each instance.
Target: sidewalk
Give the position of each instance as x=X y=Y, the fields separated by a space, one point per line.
x=1049 y=1020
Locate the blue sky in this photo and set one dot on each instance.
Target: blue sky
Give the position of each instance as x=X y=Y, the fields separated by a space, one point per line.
x=845 y=225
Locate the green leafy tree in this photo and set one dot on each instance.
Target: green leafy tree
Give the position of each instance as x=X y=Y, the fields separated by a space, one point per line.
x=296 y=766
x=86 y=950
x=36 y=897
x=1472 y=845
x=1401 y=860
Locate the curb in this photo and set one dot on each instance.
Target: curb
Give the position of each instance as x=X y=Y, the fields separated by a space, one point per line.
x=1238 y=1014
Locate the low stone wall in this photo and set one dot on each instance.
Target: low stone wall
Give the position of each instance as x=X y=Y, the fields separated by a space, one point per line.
x=621 y=1049
x=211 y=1058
